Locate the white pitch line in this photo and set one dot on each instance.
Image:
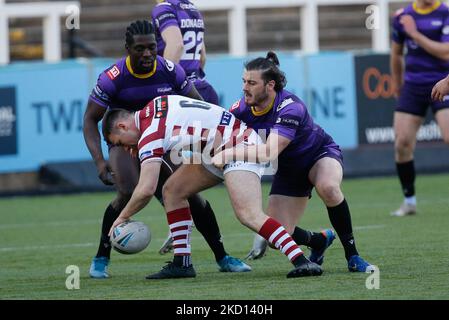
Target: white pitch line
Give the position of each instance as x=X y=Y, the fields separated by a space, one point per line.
x=91 y=244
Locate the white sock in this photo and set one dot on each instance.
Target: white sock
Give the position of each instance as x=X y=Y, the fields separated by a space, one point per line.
x=410 y=200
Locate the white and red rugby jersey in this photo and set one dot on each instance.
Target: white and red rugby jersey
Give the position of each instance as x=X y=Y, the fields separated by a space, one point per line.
x=174 y=122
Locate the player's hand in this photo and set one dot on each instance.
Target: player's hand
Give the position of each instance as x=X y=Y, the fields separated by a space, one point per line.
x=117 y=222
x=440 y=90
x=218 y=160
x=409 y=25
x=132 y=151
x=105 y=173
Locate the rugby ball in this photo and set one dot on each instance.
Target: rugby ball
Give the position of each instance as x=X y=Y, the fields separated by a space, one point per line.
x=130 y=237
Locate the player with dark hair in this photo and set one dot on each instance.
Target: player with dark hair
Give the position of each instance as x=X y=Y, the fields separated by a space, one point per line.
x=180 y=38
x=423 y=28
x=169 y=124
x=131 y=83
x=306 y=156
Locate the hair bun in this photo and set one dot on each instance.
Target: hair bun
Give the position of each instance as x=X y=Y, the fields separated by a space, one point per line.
x=272 y=57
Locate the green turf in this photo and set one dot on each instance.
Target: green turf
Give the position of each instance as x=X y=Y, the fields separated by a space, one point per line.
x=41 y=236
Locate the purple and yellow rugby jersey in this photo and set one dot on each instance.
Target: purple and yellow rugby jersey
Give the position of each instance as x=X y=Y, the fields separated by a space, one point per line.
x=420 y=66
x=119 y=87
x=288 y=115
x=183 y=14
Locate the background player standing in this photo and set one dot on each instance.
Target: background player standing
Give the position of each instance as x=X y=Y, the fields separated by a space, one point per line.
x=423 y=28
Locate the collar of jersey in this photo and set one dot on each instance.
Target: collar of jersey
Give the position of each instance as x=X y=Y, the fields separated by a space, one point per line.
x=426 y=11
x=264 y=111
x=140 y=76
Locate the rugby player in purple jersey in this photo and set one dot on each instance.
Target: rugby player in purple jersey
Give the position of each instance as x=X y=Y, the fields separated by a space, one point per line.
x=180 y=38
x=306 y=157
x=131 y=83
x=423 y=28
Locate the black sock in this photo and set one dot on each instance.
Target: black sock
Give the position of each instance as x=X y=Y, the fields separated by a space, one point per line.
x=104 y=249
x=300 y=260
x=182 y=261
x=314 y=240
x=406 y=173
x=340 y=218
x=204 y=218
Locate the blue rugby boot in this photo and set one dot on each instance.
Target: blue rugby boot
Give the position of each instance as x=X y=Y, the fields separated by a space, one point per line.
x=357 y=264
x=317 y=255
x=231 y=264
x=99 y=268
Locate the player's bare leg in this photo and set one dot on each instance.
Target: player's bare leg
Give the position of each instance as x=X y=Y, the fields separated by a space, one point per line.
x=126 y=174
x=442 y=117
x=406 y=127
x=245 y=192
x=287 y=211
x=326 y=175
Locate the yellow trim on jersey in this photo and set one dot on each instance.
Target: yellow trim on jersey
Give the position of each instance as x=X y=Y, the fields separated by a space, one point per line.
x=140 y=76
x=428 y=10
x=264 y=111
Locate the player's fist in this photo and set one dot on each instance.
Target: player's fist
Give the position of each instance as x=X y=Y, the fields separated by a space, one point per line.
x=409 y=24
x=440 y=90
x=105 y=173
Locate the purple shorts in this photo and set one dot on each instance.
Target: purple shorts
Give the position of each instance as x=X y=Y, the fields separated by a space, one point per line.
x=294 y=182
x=206 y=91
x=415 y=99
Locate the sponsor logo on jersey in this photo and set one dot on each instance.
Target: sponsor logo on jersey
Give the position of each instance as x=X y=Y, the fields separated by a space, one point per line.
x=163 y=17
x=225 y=118
x=192 y=23
x=147 y=111
x=184 y=84
x=399 y=11
x=287 y=121
x=445 y=30
x=436 y=23
x=235 y=106
x=160 y=108
x=113 y=72
x=170 y=65
x=100 y=94
x=187 y=6
x=164 y=90
x=284 y=103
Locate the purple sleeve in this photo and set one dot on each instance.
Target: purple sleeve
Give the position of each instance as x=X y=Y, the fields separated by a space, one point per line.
x=288 y=120
x=104 y=91
x=397 y=33
x=181 y=84
x=164 y=16
x=445 y=29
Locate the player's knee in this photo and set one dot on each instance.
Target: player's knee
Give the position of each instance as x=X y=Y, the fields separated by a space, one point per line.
x=172 y=190
x=329 y=192
x=403 y=145
x=121 y=200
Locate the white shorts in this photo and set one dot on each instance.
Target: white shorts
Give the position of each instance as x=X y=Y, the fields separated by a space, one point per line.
x=257 y=168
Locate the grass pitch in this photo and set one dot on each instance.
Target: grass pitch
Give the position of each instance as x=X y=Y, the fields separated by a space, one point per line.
x=41 y=236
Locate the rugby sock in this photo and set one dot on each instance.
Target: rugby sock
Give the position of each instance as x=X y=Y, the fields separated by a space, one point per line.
x=206 y=223
x=340 y=218
x=104 y=249
x=180 y=223
x=406 y=173
x=314 y=240
x=277 y=236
